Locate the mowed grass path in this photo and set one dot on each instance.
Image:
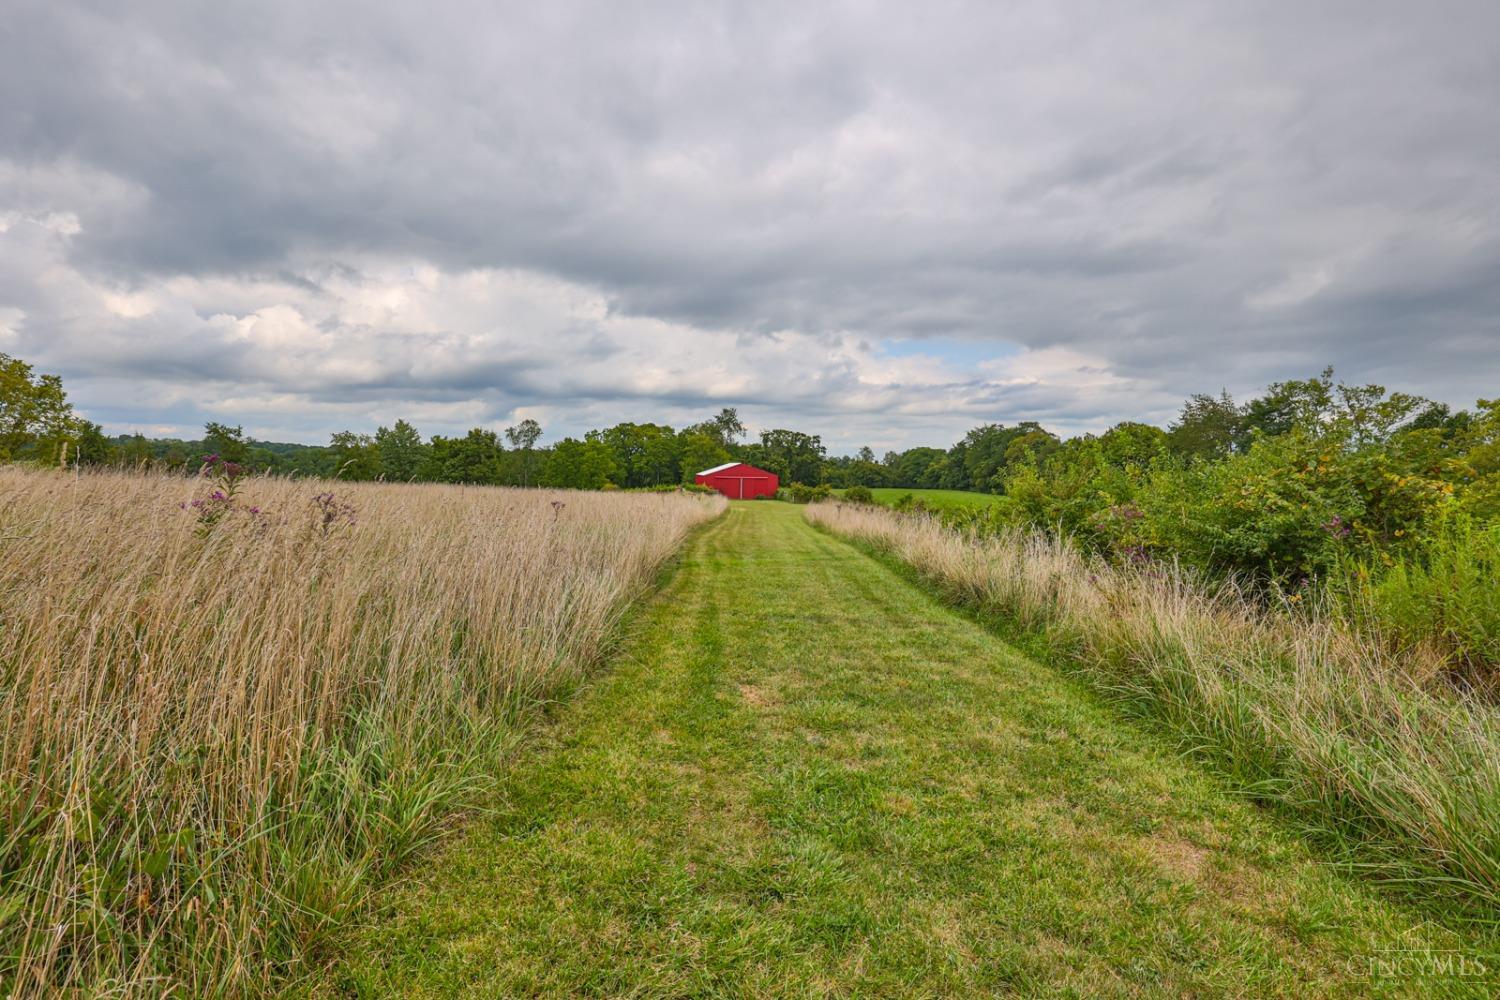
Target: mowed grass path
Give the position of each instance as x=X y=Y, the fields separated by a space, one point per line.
x=805 y=777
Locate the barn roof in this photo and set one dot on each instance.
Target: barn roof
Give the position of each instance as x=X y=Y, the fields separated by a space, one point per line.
x=719 y=468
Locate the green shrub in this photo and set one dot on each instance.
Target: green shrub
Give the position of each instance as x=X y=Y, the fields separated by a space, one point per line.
x=802 y=493
x=983 y=519
x=909 y=503
x=1445 y=597
x=859 y=494
x=1481 y=498
x=1283 y=511
x=673 y=488
x=1091 y=500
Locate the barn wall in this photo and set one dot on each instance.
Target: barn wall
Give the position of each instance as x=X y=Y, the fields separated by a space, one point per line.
x=741 y=482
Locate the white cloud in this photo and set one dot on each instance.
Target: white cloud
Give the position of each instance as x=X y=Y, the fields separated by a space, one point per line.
x=1291 y=290
x=310 y=217
x=373 y=338
x=10 y=323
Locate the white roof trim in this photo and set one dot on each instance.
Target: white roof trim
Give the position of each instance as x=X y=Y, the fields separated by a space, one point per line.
x=719 y=468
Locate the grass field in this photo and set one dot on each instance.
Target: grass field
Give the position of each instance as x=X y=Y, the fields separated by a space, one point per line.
x=938 y=499
x=228 y=709
x=805 y=776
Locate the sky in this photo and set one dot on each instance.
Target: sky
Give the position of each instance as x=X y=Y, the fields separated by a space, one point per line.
x=884 y=223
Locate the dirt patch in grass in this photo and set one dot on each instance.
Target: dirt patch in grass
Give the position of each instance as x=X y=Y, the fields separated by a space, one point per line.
x=758 y=697
x=1181 y=859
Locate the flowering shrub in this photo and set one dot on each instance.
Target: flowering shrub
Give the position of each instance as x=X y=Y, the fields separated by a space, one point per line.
x=331 y=513
x=222 y=500
x=1122 y=527
x=1336 y=527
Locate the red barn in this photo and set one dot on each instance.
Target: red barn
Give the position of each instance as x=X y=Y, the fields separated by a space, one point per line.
x=739 y=481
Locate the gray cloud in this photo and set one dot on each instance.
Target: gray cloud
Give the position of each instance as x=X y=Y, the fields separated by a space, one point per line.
x=339 y=213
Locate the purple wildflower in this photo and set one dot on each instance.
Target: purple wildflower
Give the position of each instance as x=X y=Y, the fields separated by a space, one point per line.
x=331 y=511
x=1336 y=527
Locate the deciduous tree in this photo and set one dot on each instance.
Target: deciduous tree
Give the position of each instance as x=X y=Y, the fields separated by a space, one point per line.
x=402 y=453
x=35 y=418
x=523 y=438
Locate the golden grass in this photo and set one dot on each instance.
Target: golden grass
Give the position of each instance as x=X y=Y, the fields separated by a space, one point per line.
x=1367 y=747
x=215 y=739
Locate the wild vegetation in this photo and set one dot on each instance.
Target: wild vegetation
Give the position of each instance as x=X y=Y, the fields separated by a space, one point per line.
x=925 y=498
x=1377 y=508
x=805 y=777
x=1311 y=483
x=1367 y=744
x=233 y=701
x=230 y=704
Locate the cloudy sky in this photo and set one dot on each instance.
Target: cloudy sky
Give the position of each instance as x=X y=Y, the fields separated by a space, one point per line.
x=881 y=222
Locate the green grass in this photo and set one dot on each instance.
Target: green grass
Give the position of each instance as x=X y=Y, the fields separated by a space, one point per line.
x=937 y=499
x=806 y=777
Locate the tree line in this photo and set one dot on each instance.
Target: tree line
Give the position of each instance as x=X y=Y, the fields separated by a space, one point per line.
x=38 y=424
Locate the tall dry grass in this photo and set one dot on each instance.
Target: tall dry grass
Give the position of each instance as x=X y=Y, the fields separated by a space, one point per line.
x=1364 y=746
x=213 y=740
